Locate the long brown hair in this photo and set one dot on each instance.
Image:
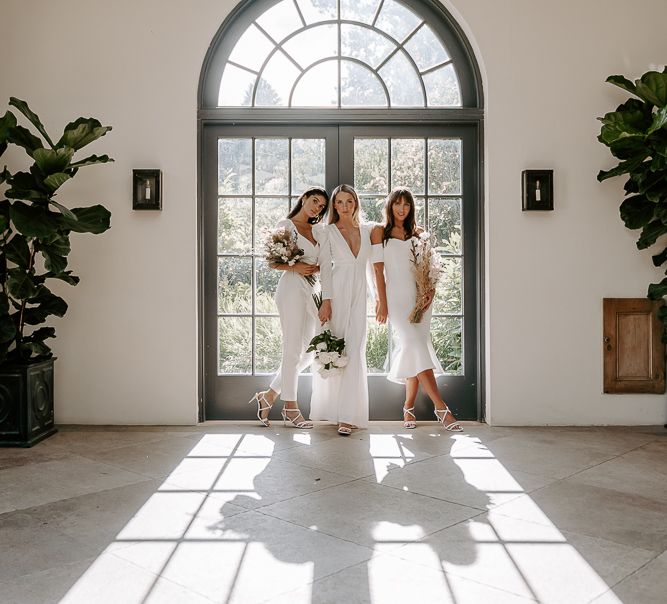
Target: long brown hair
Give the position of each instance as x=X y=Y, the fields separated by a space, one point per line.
x=409 y=225
x=334 y=216
x=309 y=193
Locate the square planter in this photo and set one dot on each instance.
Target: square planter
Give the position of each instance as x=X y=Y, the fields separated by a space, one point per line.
x=26 y=403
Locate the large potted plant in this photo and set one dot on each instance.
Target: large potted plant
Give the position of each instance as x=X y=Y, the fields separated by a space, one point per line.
x=636 y=134
x=34 y=244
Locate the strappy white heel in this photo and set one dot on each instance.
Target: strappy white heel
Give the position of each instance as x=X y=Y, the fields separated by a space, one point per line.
x=410 y=424
x=344 y=430
x=454 y=426
x=260 y=398
x=303 y=424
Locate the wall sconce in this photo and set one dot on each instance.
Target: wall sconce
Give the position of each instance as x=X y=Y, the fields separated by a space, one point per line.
x=146 y=189
x=537 y=189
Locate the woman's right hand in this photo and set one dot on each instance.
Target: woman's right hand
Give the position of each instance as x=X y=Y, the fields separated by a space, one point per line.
x=304 y=269
x=381 y=312
x=325 y=311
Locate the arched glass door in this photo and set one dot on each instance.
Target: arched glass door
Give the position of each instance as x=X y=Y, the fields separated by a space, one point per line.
x=376 y=93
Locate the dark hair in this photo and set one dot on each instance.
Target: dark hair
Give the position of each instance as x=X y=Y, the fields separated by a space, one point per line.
x=409 y=226
x=309 y=193
x=334 y=216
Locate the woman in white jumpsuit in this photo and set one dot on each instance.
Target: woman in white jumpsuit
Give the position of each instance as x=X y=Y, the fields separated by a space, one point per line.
x=345 y=249
x=413 y=361
x=297 y=310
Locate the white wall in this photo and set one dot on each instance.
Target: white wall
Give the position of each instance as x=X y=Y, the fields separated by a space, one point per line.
x=127 y=348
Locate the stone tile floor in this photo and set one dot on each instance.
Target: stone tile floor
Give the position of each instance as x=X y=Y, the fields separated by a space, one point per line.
x=236 y=513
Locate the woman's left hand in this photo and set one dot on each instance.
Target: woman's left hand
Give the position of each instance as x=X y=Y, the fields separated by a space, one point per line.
x=429 y=298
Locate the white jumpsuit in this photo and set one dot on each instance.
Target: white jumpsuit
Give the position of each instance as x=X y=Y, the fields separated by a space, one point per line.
x=343 y=398
x=298 y=320
x=413 y=350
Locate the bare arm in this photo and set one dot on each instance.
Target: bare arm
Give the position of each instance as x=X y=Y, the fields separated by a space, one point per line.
x=378 y=270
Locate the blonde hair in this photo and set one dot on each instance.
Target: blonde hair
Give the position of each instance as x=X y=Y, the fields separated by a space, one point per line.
x=333 y=214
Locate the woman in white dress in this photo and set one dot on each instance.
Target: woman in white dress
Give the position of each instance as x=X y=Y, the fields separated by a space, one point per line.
x=345 y=249
x=297 y=310
x=414 y=361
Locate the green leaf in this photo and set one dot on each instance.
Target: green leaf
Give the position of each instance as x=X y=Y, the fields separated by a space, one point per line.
x=659 y=120
x=60 y=245
x=24 y=138
x=51 y=161
x=93 y=159
x=63 y=210
x=66 y=276
x=660 y=258
x=6 y=122
x=17 y=251
x=33 y=220
x=621 y=82
x=41 y=334
x=637 y=211
x=49 y=302
x=82 y=132
x=24 y=185
x=20 y=285
x=656 y=291
x=22 y=106
x=93 y=219
x=659 y=164
x=652 y=87
x=34 y=315
x=55 y=181
x=53 y=262
x=7 y=329
x=624 y=167
x=650 y=234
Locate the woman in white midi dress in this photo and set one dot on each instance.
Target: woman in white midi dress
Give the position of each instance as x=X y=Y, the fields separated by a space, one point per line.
x=345 y=249
x=413 y=360
x=298 y=313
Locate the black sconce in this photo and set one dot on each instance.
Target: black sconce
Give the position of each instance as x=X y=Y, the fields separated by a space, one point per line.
x=146 y=189
x=537 y=189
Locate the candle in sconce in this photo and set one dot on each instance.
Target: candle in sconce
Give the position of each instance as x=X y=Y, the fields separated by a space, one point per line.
x=147 y=190
x=538 y=195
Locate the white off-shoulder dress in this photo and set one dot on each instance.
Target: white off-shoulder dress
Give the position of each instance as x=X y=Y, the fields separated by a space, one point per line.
x=343 y=398
x=298 y=319
x=412 y=350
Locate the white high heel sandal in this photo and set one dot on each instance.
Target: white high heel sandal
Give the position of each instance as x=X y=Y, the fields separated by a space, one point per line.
x=454 y=426
x=260 y=398
x=304 y=424
x=410 y=424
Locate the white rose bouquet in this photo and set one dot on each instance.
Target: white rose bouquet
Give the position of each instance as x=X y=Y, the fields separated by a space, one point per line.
x=329 y=351
x=280 y=247
x=427 y=268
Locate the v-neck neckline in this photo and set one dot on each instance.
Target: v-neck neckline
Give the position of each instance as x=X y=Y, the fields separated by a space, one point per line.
x=314 y=244
x=347 y=245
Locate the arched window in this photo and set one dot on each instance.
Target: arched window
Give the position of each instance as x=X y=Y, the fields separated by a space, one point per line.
x=376 y=93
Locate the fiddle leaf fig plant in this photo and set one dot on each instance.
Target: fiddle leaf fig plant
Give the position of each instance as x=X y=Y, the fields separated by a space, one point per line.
x=35 y=228
x=636 y=134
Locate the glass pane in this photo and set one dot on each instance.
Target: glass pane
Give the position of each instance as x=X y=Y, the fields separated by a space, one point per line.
x=268 y=211
x=446 y=335
x=318 y=87
x=402 y=81
x=442 y=87
x=271 y=165
x=268 y=344
x=364 y=44
x=236 y=87
x=234 y=345
x=313 y=44
x=234 y=220
x=396 y=20
x=360 y=87
x=234 y=294
x=371 y=156
x=276 y=82
x=266 y=281
x=358 y=10
x=372 y=208
x=307 y=163
x=281 y=20
x=444 y=166
x=407 y=164
x=317 y=10
x=252 y=48
x=426 y=48
x=234 y=166
x=376 y=346
x=444 y=217
x=449 y=292
x=420 y=204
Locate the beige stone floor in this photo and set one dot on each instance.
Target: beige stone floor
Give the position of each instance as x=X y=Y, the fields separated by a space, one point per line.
x=243 y=514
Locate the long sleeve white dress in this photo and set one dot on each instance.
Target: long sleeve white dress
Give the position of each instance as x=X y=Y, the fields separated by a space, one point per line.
x=412 y=350
x=343 y=398
x=298 y=319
